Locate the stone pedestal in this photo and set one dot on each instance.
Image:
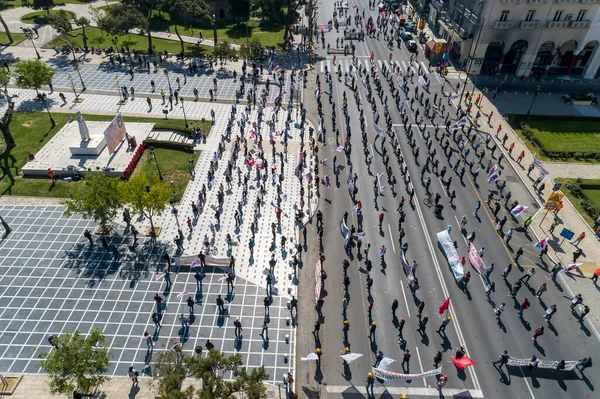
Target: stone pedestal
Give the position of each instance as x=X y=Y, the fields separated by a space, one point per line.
x=93 y=146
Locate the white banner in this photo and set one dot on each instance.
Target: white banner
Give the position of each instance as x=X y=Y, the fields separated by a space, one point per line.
x=393 y=376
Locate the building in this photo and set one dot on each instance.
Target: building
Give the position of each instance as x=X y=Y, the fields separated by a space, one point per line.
x=521 y=37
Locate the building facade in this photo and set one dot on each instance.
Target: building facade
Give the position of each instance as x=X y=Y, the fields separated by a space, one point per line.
x=521 y=37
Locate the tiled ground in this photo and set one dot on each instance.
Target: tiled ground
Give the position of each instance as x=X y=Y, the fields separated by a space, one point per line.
x=53 y=281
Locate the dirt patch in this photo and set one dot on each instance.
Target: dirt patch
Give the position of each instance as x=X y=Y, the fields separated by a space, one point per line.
x=27 y=124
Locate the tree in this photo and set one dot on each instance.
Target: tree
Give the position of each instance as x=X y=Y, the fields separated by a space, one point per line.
x=5 y=127
x=97 y=199
x=4 y=81
x=63 y=21
x=41 y=5
x=8 y=35
x=292 y=17
x=272 y=11
x=148 y=200
x=78 y=363
x=121 y=18
x=188 y=11
x=169 y=371
x=33 y=74
x=223 y=51
x=239 y=9
x=252 y=49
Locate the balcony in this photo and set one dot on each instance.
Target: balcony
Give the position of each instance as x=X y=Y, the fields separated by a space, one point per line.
x=511 y=1
x=567 y=1
x=558 y=24
x=439 y=5
x=590 y=1
x=503 y=24
x=537 y=1
x=580 y=24
x=530 y=24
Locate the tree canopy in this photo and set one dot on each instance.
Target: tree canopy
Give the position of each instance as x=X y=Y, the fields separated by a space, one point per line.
x=33 y=74
x=78 y=363
x=46 y=5
x=272 y=11
x=145 y=198
x=97 y=199
x=239 y=9
x=169 y=371
x=121 y=18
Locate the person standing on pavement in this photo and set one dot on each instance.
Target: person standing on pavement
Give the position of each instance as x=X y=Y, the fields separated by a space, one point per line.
x=220 y=304
x=550 y=312
x=238 y=328
x=596 y=275
x=576 y=254
x=406 y=361
x=190 y=303
x=156 y=320
x=541 y=289
x=444 y=324
x=537 y=333
x=576 y=300
x=502 y=360
x=579 y=238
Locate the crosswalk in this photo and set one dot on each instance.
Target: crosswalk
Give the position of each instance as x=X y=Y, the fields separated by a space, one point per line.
x=347 y=63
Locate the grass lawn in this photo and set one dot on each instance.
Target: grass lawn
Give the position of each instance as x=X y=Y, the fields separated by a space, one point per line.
x=591 y=194
x=31 y=131
x=174 y=166
x=562 y=134
x=98 y=38
x=39 y=17
x=17 y=37
x=5 y=4
x=268 y=35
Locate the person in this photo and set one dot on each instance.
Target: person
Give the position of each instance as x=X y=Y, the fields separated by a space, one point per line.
x=584 y=312
x=190 y=303
x=527 y=276
x=220 y=304
x=584 y=363
x=156 y=320
x=88 y=235
x=406 y=359
x=238 y=328
x=576 y=254
x=596 y=275
x=541 y=289
x=442 y=382
x=579 y=238
x=133 y=374
x=400 y=329
x=538 y=333
x=444 y=324
x=502 y=359
x=533 y=363
x=437 y=359
x=524 y=305
x=576 y=300
x=53 y=340
x=423 y=324
x=550 y=312
x=499 y=310
x=559 y=366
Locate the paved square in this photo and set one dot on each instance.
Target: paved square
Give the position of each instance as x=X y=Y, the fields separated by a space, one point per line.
x=53 y=281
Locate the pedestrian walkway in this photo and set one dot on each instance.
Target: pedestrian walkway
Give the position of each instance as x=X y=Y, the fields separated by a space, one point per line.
x=578 y=281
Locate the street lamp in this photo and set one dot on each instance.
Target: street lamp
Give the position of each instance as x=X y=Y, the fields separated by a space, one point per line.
x=537 y=91
x=45 y=99
x=168 y=80
x=160 y=176
x=470 y=61
x=215 y=28
x=80 y=78
x=173 y=190
x=29 y=35
x=184 y=117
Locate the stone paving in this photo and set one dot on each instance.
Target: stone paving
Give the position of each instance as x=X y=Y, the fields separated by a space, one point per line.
x=53 y=281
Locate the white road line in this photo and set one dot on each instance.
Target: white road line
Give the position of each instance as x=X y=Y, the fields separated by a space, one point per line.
x=404 y=68
x=410 y=391
x=421 y=365
x=405 y=300
x=391 y=238
x=442 y=185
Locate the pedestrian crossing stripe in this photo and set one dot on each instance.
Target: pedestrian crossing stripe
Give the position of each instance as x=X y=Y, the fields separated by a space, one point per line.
x=391 y=65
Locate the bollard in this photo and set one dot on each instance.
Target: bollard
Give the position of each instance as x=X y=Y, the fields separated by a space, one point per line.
x=287 y=338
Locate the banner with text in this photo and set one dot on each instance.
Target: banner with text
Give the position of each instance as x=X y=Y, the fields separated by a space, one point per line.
x=115 y=133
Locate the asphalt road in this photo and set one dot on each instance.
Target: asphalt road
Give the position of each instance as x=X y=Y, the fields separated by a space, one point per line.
x=473 y=324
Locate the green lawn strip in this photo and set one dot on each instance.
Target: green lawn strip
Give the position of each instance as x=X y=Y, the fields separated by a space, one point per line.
x=17 y=38
x=590 y=194
x=561 y=134
x=234 y=33
x=39 y=17
x=134 y=42
x=6 y=4
x=31 y=131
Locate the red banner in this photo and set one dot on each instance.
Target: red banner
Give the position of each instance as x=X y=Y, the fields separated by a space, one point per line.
x=463 y=362
x=476 y=261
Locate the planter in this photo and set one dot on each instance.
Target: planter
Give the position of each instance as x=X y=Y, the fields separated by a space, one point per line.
x=584 y=102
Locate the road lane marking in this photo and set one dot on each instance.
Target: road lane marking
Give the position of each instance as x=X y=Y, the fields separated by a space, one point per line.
x=391 y=238
x=421 y=365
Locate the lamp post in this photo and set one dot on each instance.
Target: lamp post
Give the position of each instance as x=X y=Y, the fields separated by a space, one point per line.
x=29 y=35
x=173 y=190
x=118 y=85
x=537 y=91
x=160 y=176
x=45 y=99
x=168 y=80
x=80 y=78
x=183 y=109
x=215 y=29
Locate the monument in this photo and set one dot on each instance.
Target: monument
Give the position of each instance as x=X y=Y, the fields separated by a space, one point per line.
x=90 y=144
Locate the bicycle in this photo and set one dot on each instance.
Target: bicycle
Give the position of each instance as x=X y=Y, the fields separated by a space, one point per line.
x=210 y=250
x=428 y=202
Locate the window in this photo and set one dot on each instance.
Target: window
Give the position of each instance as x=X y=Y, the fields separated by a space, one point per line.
x=504 y=16
x=581 y=15
x=557 y=16
x=530 y=15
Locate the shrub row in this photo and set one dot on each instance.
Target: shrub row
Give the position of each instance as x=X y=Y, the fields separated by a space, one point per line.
x=587 y=205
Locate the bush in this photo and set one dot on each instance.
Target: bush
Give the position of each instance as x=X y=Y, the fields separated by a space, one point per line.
x=575 y=190
x=590 y=208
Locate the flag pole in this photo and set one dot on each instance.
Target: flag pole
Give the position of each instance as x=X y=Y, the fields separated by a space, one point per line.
x=545 y=214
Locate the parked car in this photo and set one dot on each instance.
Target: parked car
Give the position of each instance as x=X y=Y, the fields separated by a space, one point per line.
x=406 y=36
x=411 y=45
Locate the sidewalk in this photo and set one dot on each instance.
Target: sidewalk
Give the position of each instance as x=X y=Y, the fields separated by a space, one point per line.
x=560 y=250
x=37 y=386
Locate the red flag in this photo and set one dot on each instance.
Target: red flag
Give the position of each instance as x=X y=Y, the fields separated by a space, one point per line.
x=444 y=306
x=463 y=362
